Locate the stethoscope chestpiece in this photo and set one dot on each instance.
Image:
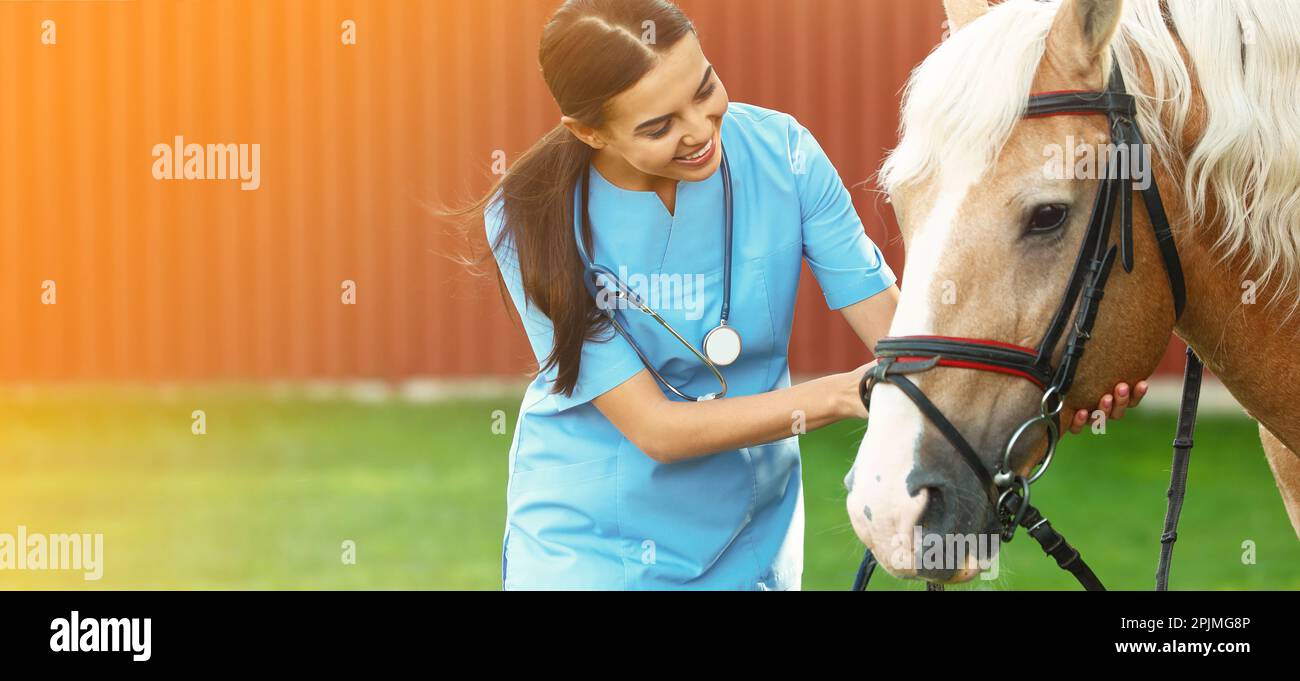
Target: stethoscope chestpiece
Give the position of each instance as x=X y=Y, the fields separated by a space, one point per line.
x=722 y=345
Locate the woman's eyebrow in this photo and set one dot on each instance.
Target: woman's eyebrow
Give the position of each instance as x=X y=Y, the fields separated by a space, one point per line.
x=708 y=73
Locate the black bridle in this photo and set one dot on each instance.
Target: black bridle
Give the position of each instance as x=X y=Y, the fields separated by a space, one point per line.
x=1007 y=490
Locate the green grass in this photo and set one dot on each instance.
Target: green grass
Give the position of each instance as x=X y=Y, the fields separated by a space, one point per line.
x=1106 y=495
x=266 y=498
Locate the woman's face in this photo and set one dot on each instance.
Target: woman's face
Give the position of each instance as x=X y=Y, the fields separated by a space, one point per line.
x=668 y=124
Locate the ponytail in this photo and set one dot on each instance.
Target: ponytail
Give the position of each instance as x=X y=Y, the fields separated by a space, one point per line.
x=589 y=53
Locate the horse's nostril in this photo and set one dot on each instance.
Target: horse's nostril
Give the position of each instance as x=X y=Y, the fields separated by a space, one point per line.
x=934 y=497
x=937 y=514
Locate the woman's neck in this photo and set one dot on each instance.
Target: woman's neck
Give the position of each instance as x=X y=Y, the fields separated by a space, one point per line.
x=623 y=175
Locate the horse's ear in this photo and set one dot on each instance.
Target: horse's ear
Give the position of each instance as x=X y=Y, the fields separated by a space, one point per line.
x=962 y=12
x=1081 y=34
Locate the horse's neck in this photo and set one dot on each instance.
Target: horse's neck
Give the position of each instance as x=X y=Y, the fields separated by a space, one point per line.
x=1241 y=338
x=1245 y=343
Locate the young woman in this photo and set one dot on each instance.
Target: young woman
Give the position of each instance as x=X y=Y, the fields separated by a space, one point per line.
x=619 y=477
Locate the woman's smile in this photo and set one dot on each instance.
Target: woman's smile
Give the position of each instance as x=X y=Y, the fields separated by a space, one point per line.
x=699 y=157
x=701 y=162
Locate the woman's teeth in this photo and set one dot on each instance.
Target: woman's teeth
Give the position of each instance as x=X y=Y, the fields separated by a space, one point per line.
x=703 y=150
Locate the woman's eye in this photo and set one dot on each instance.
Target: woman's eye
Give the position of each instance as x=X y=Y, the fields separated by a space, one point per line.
x=1047 y=218
x=708 y=92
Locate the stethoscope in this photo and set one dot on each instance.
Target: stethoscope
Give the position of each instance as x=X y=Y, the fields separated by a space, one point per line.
x=721 y=344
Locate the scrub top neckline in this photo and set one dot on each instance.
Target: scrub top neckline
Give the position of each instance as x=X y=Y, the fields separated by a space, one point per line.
x=640 y=195
x=648 y=195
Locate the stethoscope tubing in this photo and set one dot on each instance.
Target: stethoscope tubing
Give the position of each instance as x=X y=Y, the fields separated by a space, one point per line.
x=624 y=292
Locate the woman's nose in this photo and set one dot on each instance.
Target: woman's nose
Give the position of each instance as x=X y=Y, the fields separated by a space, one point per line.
x=700 y=127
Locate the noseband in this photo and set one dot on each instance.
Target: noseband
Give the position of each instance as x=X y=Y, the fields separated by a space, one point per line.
x=1006 y=489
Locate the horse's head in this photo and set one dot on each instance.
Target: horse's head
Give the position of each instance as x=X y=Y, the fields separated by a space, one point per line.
x=993 y=217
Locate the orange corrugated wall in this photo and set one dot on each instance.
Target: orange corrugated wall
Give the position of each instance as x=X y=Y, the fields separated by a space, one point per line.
x=197 y=280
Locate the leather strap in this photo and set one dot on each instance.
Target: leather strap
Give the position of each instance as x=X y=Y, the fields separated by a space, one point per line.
x=967 y=353
x=865 y=569
x=1099 y=272
x=1193 y=372
x=1080 y=102
x=1055 y=545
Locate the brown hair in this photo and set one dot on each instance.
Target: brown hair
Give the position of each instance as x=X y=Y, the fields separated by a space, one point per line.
x=591 y=50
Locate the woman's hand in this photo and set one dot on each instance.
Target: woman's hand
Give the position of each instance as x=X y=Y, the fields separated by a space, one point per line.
x=847 y=388
x=1113 y=405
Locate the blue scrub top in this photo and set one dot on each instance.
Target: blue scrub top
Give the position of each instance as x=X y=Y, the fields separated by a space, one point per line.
x=586 y=509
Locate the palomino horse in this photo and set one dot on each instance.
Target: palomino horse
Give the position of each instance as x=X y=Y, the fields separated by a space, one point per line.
x=992 y=231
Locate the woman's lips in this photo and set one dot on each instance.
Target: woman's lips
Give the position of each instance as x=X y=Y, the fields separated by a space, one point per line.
x=705 y=154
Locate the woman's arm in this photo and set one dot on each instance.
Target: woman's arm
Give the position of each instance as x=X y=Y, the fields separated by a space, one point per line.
x=872 y=317
x=669 y=431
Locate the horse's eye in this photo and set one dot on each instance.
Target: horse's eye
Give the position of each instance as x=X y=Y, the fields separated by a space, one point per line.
x=1047 y=218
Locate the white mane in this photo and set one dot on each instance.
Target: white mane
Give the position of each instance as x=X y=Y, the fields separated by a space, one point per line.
x=963 y=100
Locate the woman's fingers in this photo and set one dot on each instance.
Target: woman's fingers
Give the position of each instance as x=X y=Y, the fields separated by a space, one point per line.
x=1080 y=420
x=1139 y=392
x=1113 y=406
x=1120 y=401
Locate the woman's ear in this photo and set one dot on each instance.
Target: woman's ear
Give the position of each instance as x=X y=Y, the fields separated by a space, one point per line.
x=586 y=133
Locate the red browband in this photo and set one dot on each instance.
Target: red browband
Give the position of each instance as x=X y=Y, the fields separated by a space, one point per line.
x=964 y=364
x=981 y=366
